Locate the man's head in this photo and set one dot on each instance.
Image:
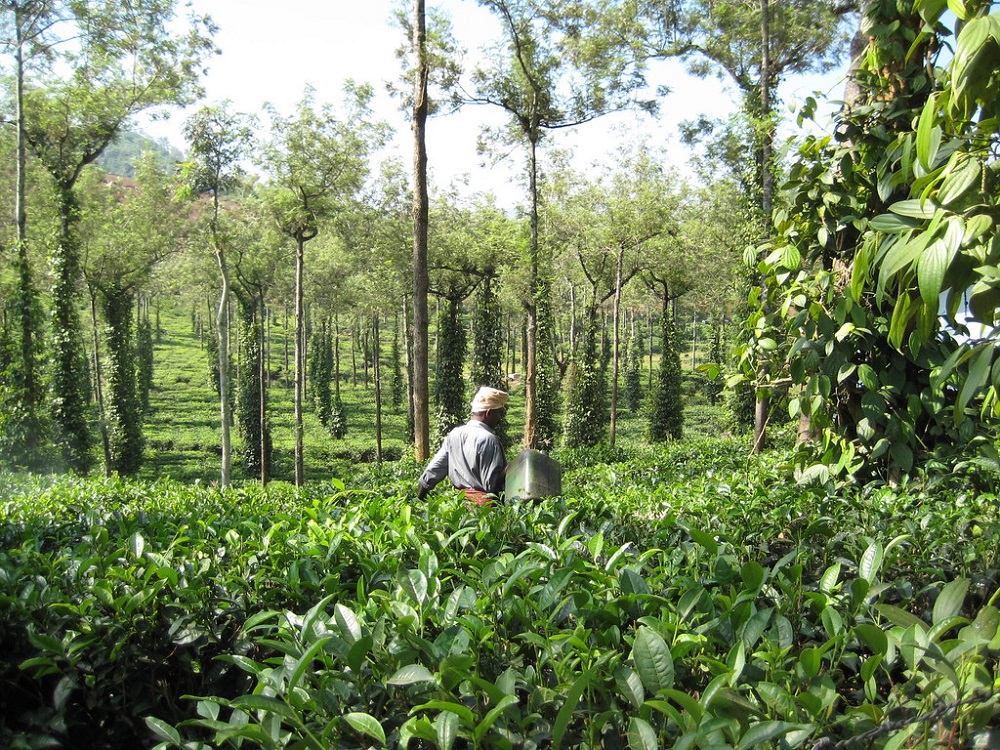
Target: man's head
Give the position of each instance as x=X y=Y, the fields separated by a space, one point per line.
x=488 y=405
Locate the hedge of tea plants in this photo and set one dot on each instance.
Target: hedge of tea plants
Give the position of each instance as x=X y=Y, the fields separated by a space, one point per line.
x=687 y=598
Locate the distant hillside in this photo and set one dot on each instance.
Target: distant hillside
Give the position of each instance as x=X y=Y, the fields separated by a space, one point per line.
x=119 y=157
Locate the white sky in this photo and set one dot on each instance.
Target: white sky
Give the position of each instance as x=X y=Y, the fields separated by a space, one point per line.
x=272 y=52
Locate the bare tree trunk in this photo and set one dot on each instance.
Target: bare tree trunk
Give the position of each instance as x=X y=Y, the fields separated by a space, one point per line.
x=377 y=367
x=421 y=283
x=262 y=389
x=616 y=346
x=300 y=357
x=762 y=404
x=222 y=336
x=531 y=362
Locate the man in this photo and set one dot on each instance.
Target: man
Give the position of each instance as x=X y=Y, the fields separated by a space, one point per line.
x=471 y=455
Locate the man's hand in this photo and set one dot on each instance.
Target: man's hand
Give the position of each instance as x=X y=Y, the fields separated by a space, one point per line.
x=421 y=492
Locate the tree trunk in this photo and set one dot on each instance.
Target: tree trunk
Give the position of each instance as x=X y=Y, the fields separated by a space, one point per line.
x=98 y=383
x=377 y=368
x=300 y=359
x=262 y=385
x=531 y=329
x=615 y=347
x=421 y=388
x=68 y=357
x=222 y=336
x=762 y=405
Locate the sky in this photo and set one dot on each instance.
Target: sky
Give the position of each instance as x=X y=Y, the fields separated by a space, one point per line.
x=271 y=52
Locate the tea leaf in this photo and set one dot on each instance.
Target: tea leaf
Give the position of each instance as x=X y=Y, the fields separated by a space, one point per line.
x=949 y=601
x=366 y=724
x=569 y=706
x=411 y=674
x=765 y=731
x=641 y=735
x=653 y=660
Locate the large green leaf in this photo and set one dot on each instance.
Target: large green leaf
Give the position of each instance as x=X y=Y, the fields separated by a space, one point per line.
x=641 y=735
x=653 y=660
x=964 y=171
x=763 y=732
x=931 y=269
x=949 y=601
x=565 y=714
x=411 y=674
x=928 y=134
x=366 y=724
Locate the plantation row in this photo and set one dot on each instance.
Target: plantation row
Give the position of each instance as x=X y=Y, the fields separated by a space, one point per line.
x=704 y=602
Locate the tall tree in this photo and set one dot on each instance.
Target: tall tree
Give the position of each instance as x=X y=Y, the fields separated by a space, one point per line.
x=544 y=82
x=28 y=36
x=219 y=142
x=318 y=164
x=431 y=66
x=126 y=230
x=124 y=59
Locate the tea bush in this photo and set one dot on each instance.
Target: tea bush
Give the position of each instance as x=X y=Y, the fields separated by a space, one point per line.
x=686 y=597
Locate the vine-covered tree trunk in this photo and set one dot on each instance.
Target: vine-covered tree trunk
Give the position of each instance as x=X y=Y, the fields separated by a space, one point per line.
x=487 y=346
x=251 y=399
x=586 y=417
x=398 y=383
x=321 y=372
x=122 y=411
x=633 y=369
x=69 y=374
x=377 y=373
x=666 y=420
x=449 y=382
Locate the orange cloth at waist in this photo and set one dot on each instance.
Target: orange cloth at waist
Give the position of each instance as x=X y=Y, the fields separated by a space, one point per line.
x=478 y=497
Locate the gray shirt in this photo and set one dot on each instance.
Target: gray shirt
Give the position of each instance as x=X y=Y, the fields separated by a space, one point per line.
x=471 y=457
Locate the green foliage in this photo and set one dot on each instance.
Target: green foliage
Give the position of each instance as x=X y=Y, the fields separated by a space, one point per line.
x=450 y=396
x=122 y=405
x=673 y=593
x=633 y=370
x=587 y=413
x=666 y=417
x=884 y=226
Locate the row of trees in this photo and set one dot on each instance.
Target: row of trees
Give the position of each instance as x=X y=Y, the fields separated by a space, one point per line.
x=583 y=242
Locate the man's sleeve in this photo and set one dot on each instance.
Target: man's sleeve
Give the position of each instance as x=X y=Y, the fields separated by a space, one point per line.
x=436 y=470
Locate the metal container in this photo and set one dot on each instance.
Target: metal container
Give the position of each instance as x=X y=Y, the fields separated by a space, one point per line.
x=533 y=475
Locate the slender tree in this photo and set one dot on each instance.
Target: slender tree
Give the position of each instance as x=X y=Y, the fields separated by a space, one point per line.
x=218 y=142
x=544 y=82
x=318 y=164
